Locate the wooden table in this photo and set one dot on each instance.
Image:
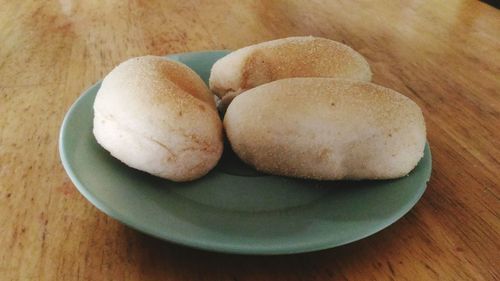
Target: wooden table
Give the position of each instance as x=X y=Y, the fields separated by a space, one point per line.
x=445 y=55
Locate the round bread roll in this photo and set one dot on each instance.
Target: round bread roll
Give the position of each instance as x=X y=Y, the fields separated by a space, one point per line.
x=262 y=63
x=326 y=129
x=158 y=116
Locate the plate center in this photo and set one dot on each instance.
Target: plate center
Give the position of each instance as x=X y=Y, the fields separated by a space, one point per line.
x=250 y=193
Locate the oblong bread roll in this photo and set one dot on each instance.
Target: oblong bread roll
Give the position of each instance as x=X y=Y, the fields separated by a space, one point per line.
x=290 y=57
x=326 y=129
x=158 y=116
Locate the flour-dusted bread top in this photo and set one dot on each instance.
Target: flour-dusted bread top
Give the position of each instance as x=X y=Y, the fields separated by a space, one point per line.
x=290 y=57
x=158 y=116
x=326 y=129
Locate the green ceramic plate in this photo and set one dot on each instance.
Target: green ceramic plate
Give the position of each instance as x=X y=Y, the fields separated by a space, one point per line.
x=232 y=209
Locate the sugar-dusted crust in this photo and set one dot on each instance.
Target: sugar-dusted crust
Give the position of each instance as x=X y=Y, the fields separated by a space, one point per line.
x=326 y=129
x=290 y=57
x=158 y=116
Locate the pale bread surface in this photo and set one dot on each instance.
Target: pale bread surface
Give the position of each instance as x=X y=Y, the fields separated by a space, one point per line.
x=158 y=116
x=326 y=129
x=290 y=57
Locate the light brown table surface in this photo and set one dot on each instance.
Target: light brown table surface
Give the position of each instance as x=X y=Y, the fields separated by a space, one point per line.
x=445 y=55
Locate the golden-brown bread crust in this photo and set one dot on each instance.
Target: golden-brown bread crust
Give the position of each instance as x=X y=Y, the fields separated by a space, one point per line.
x=326 y=129
x=158 y=116
x=290 y=57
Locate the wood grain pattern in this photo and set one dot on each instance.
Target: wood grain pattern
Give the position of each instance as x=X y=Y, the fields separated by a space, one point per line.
x=445 y=55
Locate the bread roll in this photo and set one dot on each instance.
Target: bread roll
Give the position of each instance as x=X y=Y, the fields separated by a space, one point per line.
x=290 y=57
x=158 y=116
x=326 y=129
